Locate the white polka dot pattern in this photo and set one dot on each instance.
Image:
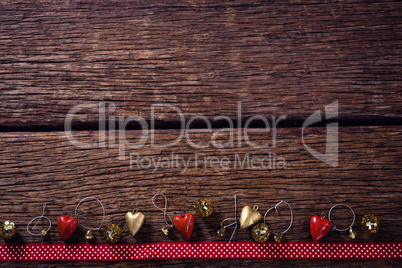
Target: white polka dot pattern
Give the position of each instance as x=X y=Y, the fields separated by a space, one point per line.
x=201 y=250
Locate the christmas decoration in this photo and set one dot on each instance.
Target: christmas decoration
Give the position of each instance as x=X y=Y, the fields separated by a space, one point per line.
x=370 y=224
x=7 y=230
x=278 y=237
x=319 y=227
x=89 y=235
x=203 y=208
x=260 y=232
x=184 y=224
x=134 y=221
x=166 y=229
x=352 y=234
x=201 y=250
x=112 y=233
x=221 y=232
x=66 y=226
x=43 y=233
x=249 y=216
x=168 y=226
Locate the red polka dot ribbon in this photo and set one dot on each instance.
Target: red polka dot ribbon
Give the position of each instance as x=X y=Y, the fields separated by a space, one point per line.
x=199 y=250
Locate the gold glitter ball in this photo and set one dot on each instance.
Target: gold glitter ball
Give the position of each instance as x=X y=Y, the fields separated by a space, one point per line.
x=89 y=235
x=203 y=208
x=166 y=229
x=278 y=237
x=112 y=233
x=221 y=232
x=370 y=224
x=260 y=232
x=7 y=229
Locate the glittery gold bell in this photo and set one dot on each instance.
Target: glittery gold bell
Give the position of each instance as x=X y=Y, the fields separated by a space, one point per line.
x=7 y=230
x=221 y=232
x=260 y=232
x=112 y=233
x=89 y=235
x=278 y=237
x=370 y=224
x=352 y=234
x=166 y=229
x=43 y=233
x=203 y=208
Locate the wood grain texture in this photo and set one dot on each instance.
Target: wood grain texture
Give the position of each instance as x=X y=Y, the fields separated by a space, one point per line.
x=46 y=168
x=276 y=57
x=42 y=168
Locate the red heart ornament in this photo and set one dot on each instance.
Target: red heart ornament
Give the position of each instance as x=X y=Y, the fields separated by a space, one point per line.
x=66 y=226
x=184 y=224
x=319 y=227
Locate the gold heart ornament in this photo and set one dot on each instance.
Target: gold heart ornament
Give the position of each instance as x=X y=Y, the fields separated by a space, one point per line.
x=134 y=221
x=249 y=216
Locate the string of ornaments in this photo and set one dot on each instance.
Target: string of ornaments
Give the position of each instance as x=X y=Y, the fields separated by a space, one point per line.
x=250 y=217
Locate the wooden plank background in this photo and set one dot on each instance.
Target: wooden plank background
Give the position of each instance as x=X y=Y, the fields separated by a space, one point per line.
x=275 y=57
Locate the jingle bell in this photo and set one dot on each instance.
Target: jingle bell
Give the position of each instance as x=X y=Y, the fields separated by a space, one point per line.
x=278 y=237
x=89 y=235
x=352 y=234
x=112 y=233
x=370 y=224
x=43 y=233
x=7 y=230
x=221 y=232
x=260 y=232
x=166 y=229
x=203 y=208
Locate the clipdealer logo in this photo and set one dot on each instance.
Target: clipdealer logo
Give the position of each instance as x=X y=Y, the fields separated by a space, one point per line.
x=114 y=136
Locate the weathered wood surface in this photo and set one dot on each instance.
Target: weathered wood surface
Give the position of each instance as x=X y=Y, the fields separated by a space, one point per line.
x=276 y=57
x=43 y=167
